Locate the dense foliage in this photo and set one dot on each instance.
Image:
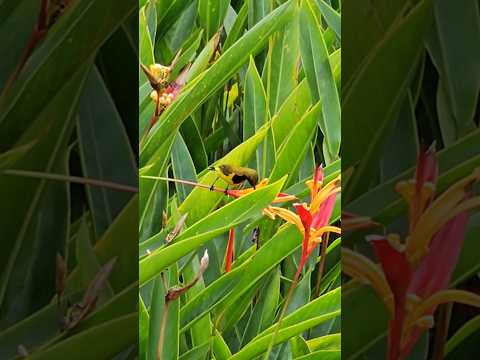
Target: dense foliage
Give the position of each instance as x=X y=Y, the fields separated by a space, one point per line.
x=252 y=84
x=68 y=175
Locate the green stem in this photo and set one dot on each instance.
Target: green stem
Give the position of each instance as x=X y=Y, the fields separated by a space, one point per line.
x=321 y=264
x=186 y=182
x=163 y=325
x=441 y=332
x=285 y=305
x=73 y=179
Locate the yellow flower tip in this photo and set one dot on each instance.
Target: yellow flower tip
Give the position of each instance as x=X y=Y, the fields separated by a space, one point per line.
x=281 y=199
x=159 y=71
x=443 y=297
x=394 y=241
x=309 y=184
x=316 y=234
x=288 y=216
x=415 y=254
x=323 y=194
x=363 y=269
x=154 y=95
x=406 y=188
x=268 y=213
x=425 y=322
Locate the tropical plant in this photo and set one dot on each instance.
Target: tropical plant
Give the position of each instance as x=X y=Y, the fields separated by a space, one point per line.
x=410 y=95
x=68 y=178
x=224 y=273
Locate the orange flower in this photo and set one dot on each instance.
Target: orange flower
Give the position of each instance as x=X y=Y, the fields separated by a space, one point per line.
x=312 y=220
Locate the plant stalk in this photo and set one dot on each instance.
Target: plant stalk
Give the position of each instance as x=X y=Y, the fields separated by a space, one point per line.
x=163 y=325
x=186 y=182
x=72 y=179
x=285 y=305
x=321 y=264
x=441 y=332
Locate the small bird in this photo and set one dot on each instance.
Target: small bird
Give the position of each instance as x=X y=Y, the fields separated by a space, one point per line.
x=234 y=175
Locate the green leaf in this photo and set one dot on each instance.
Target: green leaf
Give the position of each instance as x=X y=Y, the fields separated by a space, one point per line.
x=105 y=151
x=87 y=263
x=182 y=166
x=143 y=328
x=327 y=342
x=211 y=14
x=21 y=15
x=264 y=310
x=152 y=192
x=27 y=228
x=120 y=241
x=157 y=306
x=299 y=346
x=258 y=346
x=10 y=157
x=291 y=112
x=124 y=328
x=331 y=17
x=202 y=330
x=168 y=12
x=205 y=300
x=292 y=152
x=453 y=48
x=280 y=73
x=322 y=354
x=237 y=27
x=468 y=329
x=255 y=112
x=220 y=348
x=145 y=46
x=365 y=135
x=257 y=10
x=319 y=74
x=44 y=74
x=170 y=345
x=196 y=353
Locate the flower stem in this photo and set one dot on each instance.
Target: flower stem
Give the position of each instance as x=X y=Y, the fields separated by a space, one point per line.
x=72 y=179
x=186 y=182
x=441 y=332
x=321 y=264
x=163 y=325
x=285 y=305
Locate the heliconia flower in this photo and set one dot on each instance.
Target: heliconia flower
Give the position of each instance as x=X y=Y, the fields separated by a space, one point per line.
x=312 y=219
x=159 y=75
x=165 y=95
x=229 y=250
x=417 y=270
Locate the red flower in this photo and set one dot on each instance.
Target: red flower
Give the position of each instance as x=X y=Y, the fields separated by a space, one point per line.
x=229 y=250
x=415 y=272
